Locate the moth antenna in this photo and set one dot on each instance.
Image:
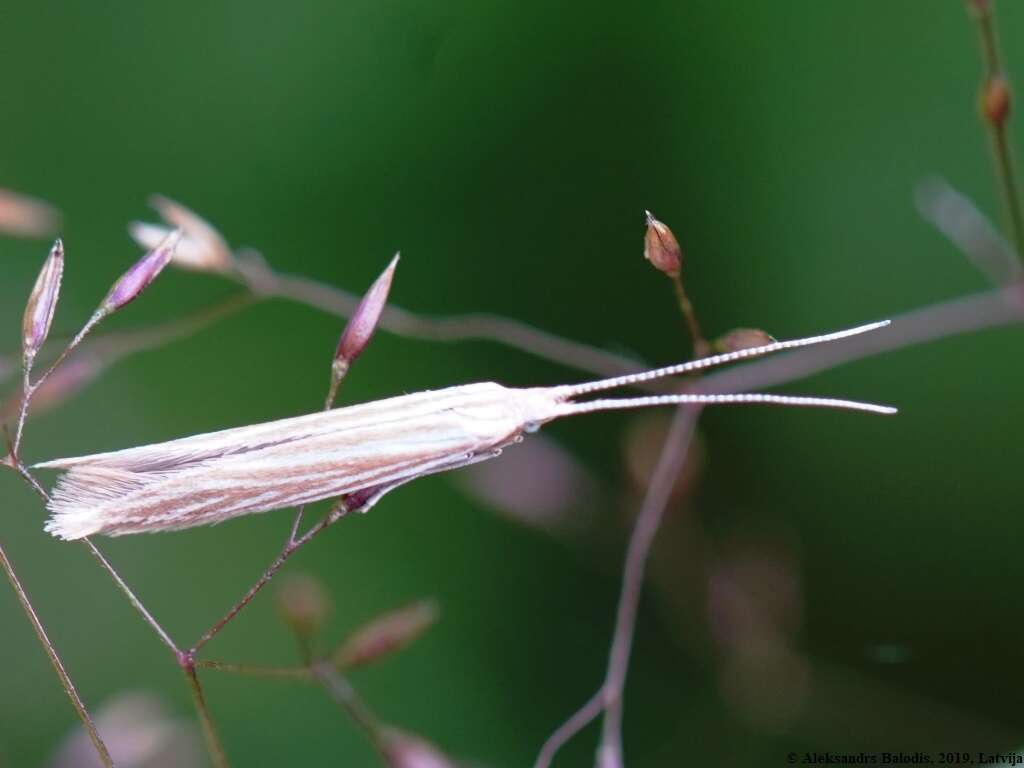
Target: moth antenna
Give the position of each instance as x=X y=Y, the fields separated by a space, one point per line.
x=575 y=390
x=611 y=404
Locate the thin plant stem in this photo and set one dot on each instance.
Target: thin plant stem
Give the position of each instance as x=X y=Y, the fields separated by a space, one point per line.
x=700 y=344
x=94 y=550
x=132 y=598
x=609 y=697
x=958 y=219
x=583 y=717
x=30 y=389
x=1009 y=187
x=296 y=523
x=332 y=392
x=265 y=282
x=1008 y=177
x=290 y=545
x=107 y=349
x=287 y=551
x=659 y=491
x=342 y=692
x=256 y=670
x=55 y=661
x=213 y=742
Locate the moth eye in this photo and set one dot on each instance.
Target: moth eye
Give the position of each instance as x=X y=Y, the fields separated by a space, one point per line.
x=531 y=426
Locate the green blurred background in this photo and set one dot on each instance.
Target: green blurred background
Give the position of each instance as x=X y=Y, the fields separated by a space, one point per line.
x=509 y=150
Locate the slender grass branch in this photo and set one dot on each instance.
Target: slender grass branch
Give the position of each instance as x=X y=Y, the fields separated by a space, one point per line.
x=94 y=550
x=292 y=543
x=29 y=388
x=213 y=742
x=701 y=348
x=580 y=719
x=289 y=549
x=345 y=696
x=55 y=661
x=256 y=670
x=997 y=122
x=132 y=598
x=659 y=490
x=268 y=283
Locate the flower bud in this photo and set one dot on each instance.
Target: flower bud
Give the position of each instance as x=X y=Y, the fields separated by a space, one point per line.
x=386 y=634
x=642 y=444
x=140 y=731
x=303 y=604
x=540 y=484
x=363 y=323
x=190 y=253
x=206 y=249
x=741 y=338
x=23 y=216
x=141 y=274
x=661 y=247
x=42 y=303
x=979 y=7
x=403 y=750
x=995 y=101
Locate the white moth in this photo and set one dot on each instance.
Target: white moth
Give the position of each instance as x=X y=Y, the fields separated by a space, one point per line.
x=360 y=452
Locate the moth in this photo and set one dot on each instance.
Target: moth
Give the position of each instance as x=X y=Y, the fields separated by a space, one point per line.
x=357 y=453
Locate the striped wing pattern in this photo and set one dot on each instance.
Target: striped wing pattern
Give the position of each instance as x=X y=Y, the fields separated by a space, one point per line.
x=210 y=478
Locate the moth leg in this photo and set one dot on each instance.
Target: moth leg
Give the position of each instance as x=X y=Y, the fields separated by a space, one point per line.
x=363 y=500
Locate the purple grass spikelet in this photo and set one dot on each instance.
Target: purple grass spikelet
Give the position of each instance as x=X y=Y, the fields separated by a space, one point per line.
x=403 y=750
x=661 y=247
x=386 y=634
x=203 y=247
x=359 y=330
x=140 y=275
x=42 y=303
x=303 y=604
x=23 y=216
x=741 y=338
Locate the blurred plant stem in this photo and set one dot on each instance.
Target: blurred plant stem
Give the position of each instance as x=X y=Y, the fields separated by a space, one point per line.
x=268 y=283
x=659 y=491
x=700 y=344
x=348 y=699
x=996 y=109
x=213 y=742
x=255 y=670
x=184 y=660
x=55 y=661
x=345 y=696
